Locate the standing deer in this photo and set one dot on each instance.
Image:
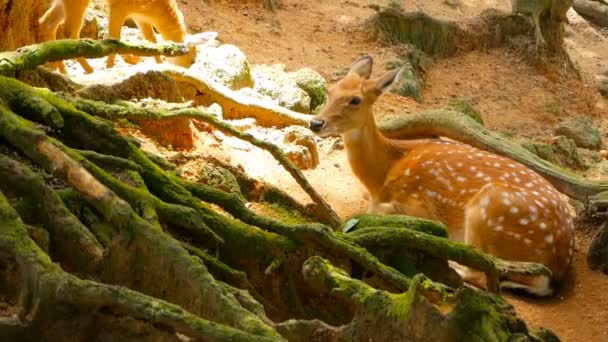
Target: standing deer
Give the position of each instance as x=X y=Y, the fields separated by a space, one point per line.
x=147 y=14
x=493 y=203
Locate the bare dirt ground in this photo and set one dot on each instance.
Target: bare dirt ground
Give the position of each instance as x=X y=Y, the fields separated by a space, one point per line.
x=511 y=95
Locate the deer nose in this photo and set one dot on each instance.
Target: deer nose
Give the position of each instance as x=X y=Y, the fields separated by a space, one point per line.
x=315 y=125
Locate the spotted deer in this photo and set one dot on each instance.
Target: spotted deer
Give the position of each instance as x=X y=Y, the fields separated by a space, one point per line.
x=495 y=204
x=164 y=15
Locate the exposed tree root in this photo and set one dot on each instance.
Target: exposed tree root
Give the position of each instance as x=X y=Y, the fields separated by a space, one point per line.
x=177 y=265
x=46 y=286
x=490 y=29
x=440 y=37
x=28 y=57
x=136 y=114
x=411 y=316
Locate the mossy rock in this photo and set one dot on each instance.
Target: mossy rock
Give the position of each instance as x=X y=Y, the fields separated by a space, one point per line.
x=600 y=168
x=464 y=107
x=567 y=153
x=583 y=131
x=219 y=177
x=544 y=151
x=225 y=64
x=409 y=83
x=274 y=82
x=313 y=84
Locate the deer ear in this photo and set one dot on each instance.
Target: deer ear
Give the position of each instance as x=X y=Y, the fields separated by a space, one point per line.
x=362 y=67
x=385 y=82
x=200 y=38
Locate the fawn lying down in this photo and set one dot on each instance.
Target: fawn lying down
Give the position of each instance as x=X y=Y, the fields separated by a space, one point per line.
x=490 y=202
x=164 y=15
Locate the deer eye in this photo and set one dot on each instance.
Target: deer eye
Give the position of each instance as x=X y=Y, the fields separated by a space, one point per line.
x=355 y=101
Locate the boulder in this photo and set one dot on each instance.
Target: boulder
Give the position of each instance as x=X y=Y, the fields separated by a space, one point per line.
x=225 y=64
x=313 y=84
x=583 y=131
x=301 y=136
x=219 y=177
x=409 y=83
x=566 y=153
x=273 y=81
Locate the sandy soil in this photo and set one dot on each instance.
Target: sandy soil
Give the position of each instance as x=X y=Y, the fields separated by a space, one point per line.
x=509 y=93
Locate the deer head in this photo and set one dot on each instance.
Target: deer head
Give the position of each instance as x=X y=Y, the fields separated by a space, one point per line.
x=350 y=101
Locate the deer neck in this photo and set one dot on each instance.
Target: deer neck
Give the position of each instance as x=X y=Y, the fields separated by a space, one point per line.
x=370 y=155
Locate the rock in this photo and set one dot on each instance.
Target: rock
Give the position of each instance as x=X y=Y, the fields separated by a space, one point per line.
x=544 y=151
x=176 y=133
x=409 y=83
x=599 y=168
x=566 y=152
x=249 y=92
x=273 y=81
x=219 y=177
x=604 y=88
x=299 y=155
x=225 y=64
x=464 y=107
x=313 y=84
x=299 y=135
x=583 y=131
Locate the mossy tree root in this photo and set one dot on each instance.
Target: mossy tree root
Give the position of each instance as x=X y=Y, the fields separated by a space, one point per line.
x=47 y=287
x=410 y=316
x=137 y=114
x=494 y=268
x=58 y=159
x=28 y=57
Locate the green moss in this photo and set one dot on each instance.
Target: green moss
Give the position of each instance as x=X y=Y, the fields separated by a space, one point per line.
x=399 y=221
x=554 y=108
x=466 y=108
x=313 y=84
x=219 y=178
x=544 y=151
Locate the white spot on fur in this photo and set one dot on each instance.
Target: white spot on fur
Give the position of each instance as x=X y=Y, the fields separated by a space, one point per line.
x=542 y=226
x=514 y=210
x=523 y=221
x=549 y=239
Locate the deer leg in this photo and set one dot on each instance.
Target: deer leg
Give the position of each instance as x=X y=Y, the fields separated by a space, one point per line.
x=148 y=32
x=115 y=26
x=48 y=25
x=73 y=26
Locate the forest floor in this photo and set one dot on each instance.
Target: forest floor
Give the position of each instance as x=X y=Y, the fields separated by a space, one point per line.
x=509 y=92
